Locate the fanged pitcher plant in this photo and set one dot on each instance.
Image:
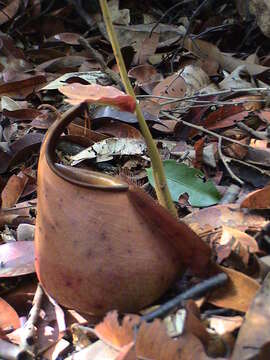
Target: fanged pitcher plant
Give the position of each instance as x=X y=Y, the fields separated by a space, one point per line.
x=102 y=244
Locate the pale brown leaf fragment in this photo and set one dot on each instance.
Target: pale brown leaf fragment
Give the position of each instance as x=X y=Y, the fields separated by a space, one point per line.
x=237 y=294
x=254 y=333
x=13 y=190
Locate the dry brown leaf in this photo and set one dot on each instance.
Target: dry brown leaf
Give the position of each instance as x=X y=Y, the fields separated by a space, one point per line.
x=224 y=324
x=147 y=48
x=120 y=130
x=152 y=341
x=258 y=199
x=144 y=74
x=9 y=319
x=255 y=331
x=109 y=95
x=237 y=294
x=219 y=215
x=13 y=190
x=9 y=11
x=78 y=130
x=238 y=242
x=185 y=82
x=206 y=50
x=22 y=88
x=17 y=258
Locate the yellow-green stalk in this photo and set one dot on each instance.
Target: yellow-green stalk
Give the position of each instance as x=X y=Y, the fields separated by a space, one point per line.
x=161 y=186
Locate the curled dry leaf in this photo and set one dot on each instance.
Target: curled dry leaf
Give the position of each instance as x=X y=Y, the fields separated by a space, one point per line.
x=109 y=95
x=13 y=190
x=9 y=11
x=185 y=82
x=254 y=333
x=144 y=74
x=9 y=319
x=17 y=258
x=152 y=341
x=206 y=50
x=19 y=149
x=22 y=88
x=120 y=130
x=258 y=199
x=228 y=215
x=237 y=294
x=67 y=38
x=224 y=324
x=236 y=241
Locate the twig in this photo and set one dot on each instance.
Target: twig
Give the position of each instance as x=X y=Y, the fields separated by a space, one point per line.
x=30 y=330
x=193 y=16
x=196 y=291
x=216 y=93
x=230 y=195
x=161 y=186
x=257 y=134
x=225 y=161
x=202 y=129
x=98 y=57
x=9 y=351
x=175 y=6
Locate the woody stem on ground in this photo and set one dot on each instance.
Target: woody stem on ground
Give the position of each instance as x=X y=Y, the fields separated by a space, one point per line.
x=161 y=186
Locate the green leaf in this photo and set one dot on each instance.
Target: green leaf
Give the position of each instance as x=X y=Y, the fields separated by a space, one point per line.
x=184 y=179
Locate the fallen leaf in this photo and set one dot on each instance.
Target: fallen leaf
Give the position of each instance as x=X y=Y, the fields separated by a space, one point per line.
x=185 y=82
x=144 y=74
x=152 y=341
x=13 y=190
x=183 y=179
x=206 y=50
x=17 y=258
x=253 y=335
x=135 y=34
x=120 y=130
x=9 y=11
x=19 y=150
x=237 y=293
x=67 y=38
x=98 y=94
x=258 y=199
x=224 y=324
x=147 y=48
x=229 y=215
x=24 y=114
x=105 y=150
x=111 y=113
x=77 y=130
x=22 y=87
x=9 y=319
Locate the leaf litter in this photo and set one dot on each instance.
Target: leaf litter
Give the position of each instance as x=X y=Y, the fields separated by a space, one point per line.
x=204 y=93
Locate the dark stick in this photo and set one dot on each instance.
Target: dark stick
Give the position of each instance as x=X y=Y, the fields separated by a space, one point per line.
x=197 y=290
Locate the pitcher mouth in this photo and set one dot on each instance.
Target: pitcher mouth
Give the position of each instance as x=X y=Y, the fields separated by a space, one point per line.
x=77 y=176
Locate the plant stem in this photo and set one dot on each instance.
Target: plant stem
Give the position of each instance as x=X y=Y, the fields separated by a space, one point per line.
x=161 y=186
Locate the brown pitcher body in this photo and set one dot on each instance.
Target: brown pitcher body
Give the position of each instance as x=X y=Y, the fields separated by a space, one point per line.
x=94 y=251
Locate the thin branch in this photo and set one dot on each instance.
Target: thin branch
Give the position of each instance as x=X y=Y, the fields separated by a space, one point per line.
x=30 y=330
x=202 y=129
x=257 y=134
x=161 y=186
x=216 y=93
x=99 y=58
x=225 y=161
x=198 y=290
